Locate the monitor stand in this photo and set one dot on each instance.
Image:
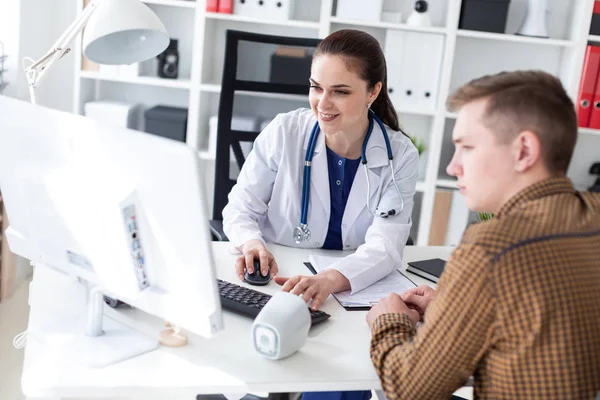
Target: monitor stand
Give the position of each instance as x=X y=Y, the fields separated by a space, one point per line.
x=96 y=340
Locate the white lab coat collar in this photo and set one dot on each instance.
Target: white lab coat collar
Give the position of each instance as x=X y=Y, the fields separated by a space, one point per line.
x=376 y=157
x=376 y=151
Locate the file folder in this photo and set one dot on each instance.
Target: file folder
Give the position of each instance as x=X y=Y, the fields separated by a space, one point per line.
x=595 y=107
x=280 y=10
x=587 y=86
x=414 y=64
x=225 y=6
x=359 y=10
x=212 y=5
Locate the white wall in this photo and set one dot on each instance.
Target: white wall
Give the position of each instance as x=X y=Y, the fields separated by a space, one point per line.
x=29 y=28
x=9 y=36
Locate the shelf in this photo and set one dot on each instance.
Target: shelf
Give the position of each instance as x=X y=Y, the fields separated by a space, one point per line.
x=140 y=80
x=210 y=87
x=446 y=183
x=594 y=38
x=420 y=186
x=588 y=131
x=172 y=3
x=415 y=111
x=215 y=88
x=389 y=25
x=242 y=18
x=514 y=38
x=206 y=155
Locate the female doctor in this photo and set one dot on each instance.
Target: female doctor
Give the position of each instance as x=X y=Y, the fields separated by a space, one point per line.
x=357 y=176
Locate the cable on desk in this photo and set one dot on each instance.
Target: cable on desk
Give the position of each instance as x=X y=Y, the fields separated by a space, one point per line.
x=20 y=340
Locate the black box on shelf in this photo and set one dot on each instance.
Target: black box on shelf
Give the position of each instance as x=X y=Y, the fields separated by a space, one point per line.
x=165 y=121
x=484 y=15
x=290 y=69
x=595 y=25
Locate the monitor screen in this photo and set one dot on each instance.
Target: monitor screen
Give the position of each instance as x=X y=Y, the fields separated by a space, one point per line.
x=119 y=208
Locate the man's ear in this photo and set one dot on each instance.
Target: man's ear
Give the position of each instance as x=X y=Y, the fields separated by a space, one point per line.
x=527 y=150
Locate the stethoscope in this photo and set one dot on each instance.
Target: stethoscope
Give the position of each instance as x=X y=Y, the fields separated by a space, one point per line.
x=301 y=232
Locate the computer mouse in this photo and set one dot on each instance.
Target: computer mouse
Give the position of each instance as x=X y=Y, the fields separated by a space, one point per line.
x=256 y=277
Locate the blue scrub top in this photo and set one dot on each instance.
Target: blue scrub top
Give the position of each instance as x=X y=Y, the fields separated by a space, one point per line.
x=341 y=175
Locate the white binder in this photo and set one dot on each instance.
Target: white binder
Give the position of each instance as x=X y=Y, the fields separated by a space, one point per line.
x=414 y=63
x=361 y=10
x=458 y=219
x=264 y=9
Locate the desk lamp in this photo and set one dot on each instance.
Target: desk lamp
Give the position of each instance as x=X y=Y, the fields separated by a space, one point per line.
x=117 y=32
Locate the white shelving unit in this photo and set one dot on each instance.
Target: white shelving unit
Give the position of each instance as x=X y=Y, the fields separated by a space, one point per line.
x=466 y=55
x=172 y=3
x=139 y=80
x=387 y=25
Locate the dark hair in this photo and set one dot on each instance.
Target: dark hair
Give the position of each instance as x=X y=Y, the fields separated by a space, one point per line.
x=363 y=55
x=526 y=101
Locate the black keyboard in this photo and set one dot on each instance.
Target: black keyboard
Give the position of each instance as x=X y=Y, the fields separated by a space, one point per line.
x=248 y=302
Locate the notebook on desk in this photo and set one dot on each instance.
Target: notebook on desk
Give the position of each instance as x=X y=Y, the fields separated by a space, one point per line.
x=429 y=269
x=395 y=282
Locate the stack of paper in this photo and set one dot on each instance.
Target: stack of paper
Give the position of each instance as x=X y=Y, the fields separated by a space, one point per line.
x=395 y=282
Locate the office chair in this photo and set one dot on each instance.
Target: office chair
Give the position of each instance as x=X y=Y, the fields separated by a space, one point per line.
x=228 y=138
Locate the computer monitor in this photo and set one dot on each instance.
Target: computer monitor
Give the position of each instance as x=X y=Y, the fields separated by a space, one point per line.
x=123 y=210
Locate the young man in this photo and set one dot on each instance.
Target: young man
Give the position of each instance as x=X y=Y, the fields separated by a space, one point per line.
x=518 y=305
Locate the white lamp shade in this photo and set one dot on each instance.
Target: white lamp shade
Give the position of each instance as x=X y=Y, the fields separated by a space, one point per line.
x=123 y=32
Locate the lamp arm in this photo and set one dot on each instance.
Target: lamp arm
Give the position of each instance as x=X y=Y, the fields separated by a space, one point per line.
x=37 y=69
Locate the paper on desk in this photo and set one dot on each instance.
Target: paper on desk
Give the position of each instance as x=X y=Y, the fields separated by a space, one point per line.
x=395 y=282
x=321 y=262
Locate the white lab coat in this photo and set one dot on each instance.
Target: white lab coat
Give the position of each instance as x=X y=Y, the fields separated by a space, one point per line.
x=266 y=200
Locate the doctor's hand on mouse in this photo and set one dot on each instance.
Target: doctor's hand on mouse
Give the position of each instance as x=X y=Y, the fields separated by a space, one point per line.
x=316 y=288
x=255 y=250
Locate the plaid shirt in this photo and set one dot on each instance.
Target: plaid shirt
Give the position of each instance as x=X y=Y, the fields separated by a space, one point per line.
x=517 y=307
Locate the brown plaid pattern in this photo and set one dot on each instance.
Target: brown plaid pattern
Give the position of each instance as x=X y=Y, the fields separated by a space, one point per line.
x=517 y=308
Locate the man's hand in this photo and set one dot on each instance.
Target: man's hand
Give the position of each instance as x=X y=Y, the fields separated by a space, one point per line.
x=391 y=304
x=317 y=287
x=255 y=250
x=419 y=298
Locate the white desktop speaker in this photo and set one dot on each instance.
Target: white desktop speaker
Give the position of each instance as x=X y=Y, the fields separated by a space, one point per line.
x=281 y=327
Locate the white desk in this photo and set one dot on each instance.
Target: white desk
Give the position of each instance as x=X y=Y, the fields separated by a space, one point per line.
x=336 y=356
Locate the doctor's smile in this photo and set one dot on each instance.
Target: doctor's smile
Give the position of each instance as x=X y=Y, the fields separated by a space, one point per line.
x=326 y=117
